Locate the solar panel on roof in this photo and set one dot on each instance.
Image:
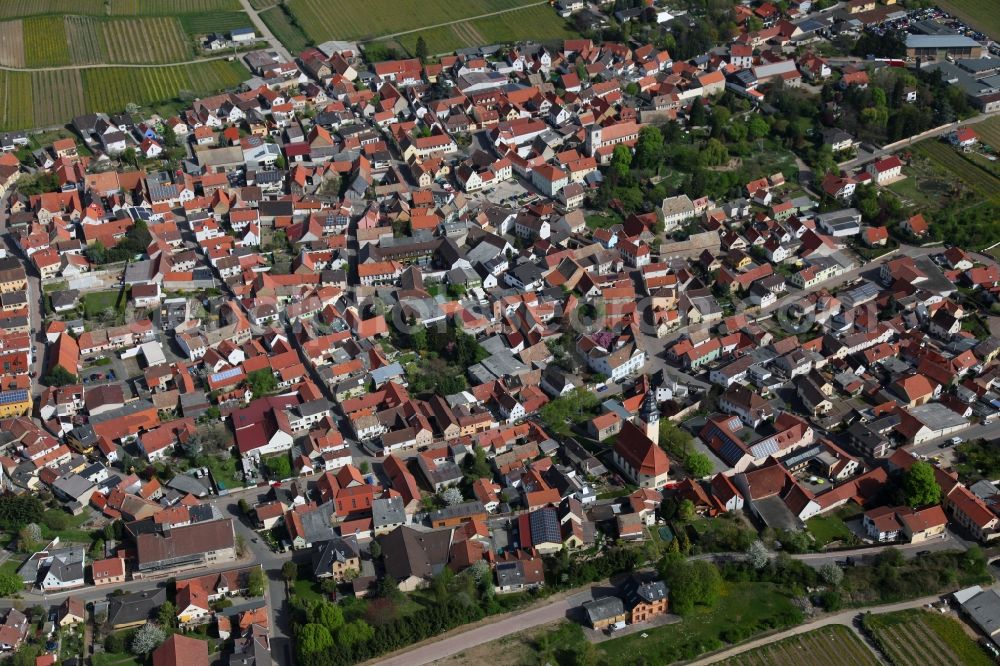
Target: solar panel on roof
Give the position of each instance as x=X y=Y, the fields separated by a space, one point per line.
x=225 y=374
x=8 y=397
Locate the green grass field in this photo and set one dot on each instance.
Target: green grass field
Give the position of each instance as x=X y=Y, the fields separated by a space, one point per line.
x=368 y=19
x=834 y=646
x=981 y=14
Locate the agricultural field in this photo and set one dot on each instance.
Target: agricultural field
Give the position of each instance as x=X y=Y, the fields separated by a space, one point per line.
x=58 y=96
x=12 y=43
x=280 y=23
x=538 y=23
x=84 y=36
x=145 y=40
x=833 y=646
x=45 y=43
x=170 y=7
x=917 y=637
x=20 y=8
x=951 y=161
x=204 y=23
x=369 y=19
x=980 y=14
x=989 y=132
x=16 y=110
x=111 y=89
x=263 y=4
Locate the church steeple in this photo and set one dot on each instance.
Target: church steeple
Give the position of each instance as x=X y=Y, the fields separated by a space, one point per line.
x=649 y=412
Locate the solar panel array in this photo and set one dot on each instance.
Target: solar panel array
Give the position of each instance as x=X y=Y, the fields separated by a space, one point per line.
x=225 y=374
x=11 y=397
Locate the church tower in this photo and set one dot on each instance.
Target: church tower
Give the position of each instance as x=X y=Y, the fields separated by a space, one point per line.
x=649 y=412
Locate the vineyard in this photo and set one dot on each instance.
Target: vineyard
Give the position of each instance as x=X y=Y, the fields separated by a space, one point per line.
x=16 y=110
x=948 y=159
x=281 y=25
x=145 y=40
x=367 y=19
x=111 y=89
x=537 y=23
x=202 y=24
x=20 y=8
x=45 y=43
x=989 y=132
x=58 y=95
x=916 y=637
x=263 y=4
x=835 y=645
x=12 y=44
x=170 y=7
x=84 y=37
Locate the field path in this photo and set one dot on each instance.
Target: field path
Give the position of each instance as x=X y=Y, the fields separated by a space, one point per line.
x=262 y=28
x=446 y=23
x=107 y=65
x=845 y=618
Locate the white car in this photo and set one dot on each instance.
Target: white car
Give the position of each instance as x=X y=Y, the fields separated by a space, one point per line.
x=956 y=441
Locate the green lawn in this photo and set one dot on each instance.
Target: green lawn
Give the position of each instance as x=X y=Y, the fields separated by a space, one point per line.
x=306 y=589
x=598 y=221
x=826 y=529
x=72 y=532
x=223 y=471
x=97 y=302
x=749 y=607
x=279 y=466
x=115 y=659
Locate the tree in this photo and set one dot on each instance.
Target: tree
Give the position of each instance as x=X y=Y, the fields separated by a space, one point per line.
x=621 y=160
x=757 y=127
x=114 y=643
x=147 y=638
x=59 y=376
x=832 y=574
x=19 y=510
x=375 y=548
x=451 y=496
x=167 y=614
x=353 y=633
x=690 y=583
x=10 y=584
x=26 y=656
x=256 y=583
x=649 y=148
x=328 y=615
x=262 y=382
x=421 y=49
x=29 y=538
x=919 y=485
x=698 y=464
x=244 y=507
x=241 y=545
x=685 y=510
x=289 y=571
x=758 y=555
x=313 y=639
x=476 y=464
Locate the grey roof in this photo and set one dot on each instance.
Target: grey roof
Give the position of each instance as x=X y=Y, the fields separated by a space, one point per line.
x=458 y=511
x=317 y=525
x=188 y=484
x=132 y=608
x=637 y=591
x=940 y=42
x=936 y=416
x=387 y=511
x=336 y=549
x=603 y=608
x=984 y=609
